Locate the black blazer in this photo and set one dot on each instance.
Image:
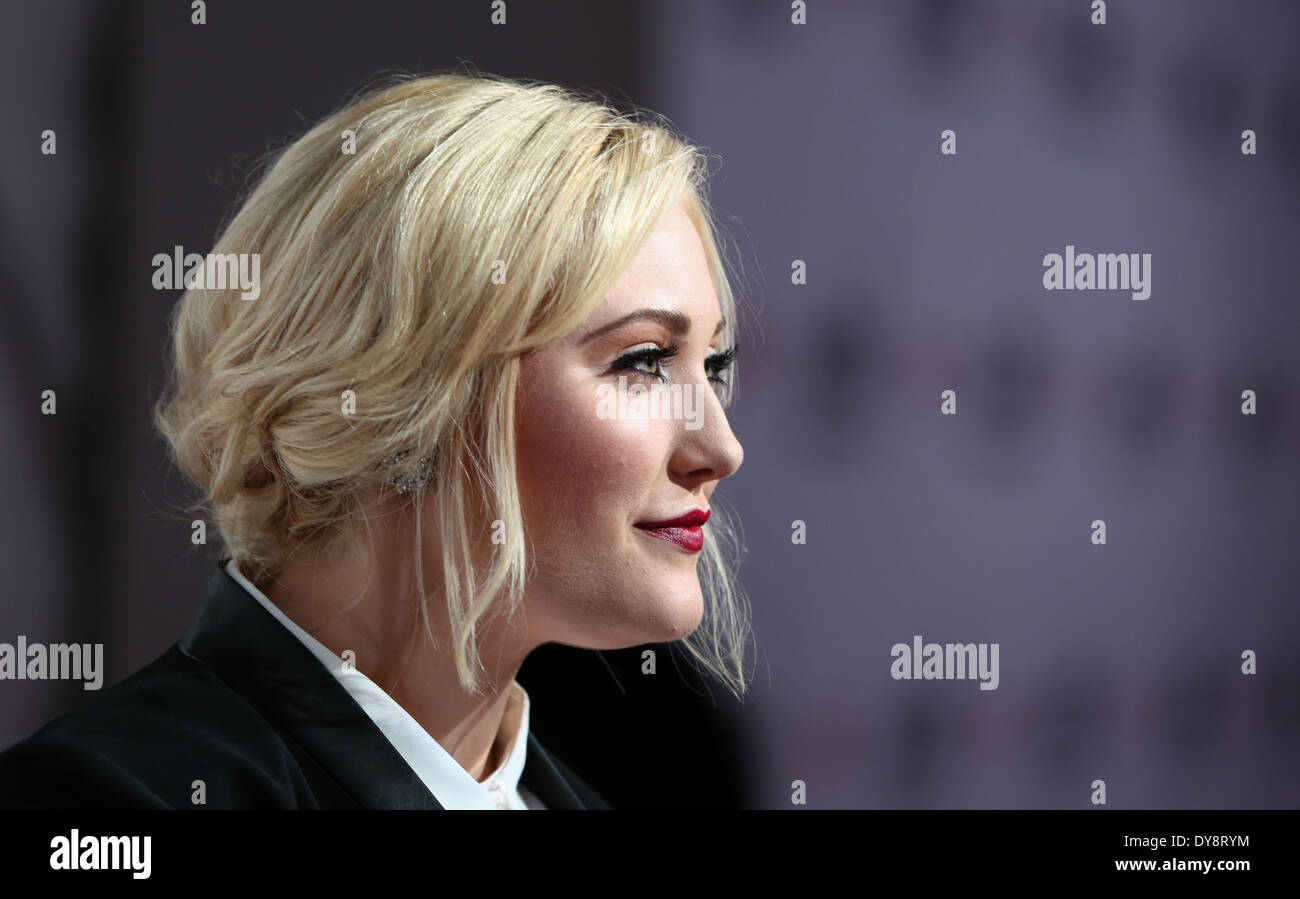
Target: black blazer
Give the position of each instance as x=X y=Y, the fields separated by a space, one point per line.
x=243 y=706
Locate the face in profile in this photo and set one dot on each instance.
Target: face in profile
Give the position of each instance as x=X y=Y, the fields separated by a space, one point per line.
x=593 y=483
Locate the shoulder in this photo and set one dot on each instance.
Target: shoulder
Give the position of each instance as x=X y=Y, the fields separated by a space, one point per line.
x=172 y=735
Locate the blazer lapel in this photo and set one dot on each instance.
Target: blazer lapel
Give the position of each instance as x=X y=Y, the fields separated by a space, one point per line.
x=543 y=776
x=270 y=668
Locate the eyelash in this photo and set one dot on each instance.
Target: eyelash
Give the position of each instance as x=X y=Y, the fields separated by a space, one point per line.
x=719 y=362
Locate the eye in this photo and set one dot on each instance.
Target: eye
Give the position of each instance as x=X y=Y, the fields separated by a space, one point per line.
x=651 y=357
x=718 y=363
x=649 y=362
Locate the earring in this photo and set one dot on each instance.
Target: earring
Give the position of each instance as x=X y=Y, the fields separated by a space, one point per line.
x=410 y=482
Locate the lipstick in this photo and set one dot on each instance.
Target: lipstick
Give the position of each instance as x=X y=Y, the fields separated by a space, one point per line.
x=684 y=531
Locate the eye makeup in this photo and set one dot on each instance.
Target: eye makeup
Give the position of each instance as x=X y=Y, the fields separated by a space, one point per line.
x=655 y=356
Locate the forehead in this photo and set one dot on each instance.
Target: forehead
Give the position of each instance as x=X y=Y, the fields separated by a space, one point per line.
x=670 y=271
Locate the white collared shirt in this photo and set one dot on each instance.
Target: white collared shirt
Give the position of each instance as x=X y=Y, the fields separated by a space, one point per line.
x=450 y=784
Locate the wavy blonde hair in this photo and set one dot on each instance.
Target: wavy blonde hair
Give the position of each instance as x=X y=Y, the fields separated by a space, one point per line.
x=377 y=277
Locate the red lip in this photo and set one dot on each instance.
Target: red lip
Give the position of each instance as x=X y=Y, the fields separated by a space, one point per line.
x=684 y=531
x=691 y=519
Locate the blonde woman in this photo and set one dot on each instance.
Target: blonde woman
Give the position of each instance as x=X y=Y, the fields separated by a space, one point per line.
x=426 y=443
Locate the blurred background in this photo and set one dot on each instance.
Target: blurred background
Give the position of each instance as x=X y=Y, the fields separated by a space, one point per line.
x=1119 y=662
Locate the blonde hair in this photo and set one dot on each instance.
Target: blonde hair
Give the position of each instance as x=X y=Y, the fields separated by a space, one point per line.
x=377 y=273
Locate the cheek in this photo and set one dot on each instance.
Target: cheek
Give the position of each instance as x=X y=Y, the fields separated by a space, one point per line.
x=584 y=481
x=578 y=467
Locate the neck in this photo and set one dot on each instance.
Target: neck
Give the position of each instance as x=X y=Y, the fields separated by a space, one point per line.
x=328 y=594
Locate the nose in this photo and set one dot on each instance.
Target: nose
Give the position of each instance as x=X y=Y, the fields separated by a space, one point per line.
x=711 y=451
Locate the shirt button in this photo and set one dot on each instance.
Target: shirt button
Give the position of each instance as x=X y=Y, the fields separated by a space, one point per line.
x=498 y=795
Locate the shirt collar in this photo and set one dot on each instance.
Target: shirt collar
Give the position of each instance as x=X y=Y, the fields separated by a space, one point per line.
x=451 y=784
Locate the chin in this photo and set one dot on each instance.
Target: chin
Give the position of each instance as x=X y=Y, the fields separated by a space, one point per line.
x=679 y=611
x=670 y=613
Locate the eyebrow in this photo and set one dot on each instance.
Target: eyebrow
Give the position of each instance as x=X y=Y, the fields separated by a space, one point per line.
x=677 y=323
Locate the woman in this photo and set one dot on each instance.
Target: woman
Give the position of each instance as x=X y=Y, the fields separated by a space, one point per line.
x=425 y=440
